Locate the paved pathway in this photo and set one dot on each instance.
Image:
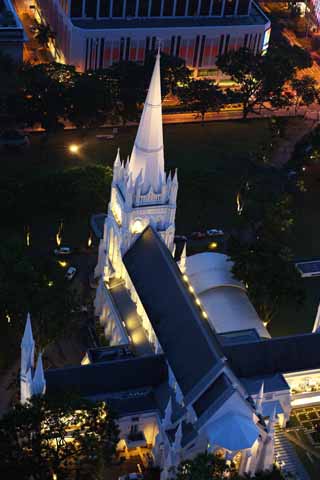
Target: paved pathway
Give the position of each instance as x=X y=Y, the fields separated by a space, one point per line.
x=287 y=456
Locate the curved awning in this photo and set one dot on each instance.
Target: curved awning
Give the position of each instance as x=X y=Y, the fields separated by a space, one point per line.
x=233 y=432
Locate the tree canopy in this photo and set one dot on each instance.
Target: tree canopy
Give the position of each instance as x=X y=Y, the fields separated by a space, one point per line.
x=260 y=246
x=209 y=466
x=62 y=435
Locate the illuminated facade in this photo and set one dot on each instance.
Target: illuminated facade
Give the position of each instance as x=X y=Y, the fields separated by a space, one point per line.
x=93 y=34
x=190 y=366
x=12 y=36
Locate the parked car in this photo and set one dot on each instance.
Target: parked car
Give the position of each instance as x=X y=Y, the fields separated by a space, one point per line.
x=214 y=232
x=62 y=251
x=132 y=476
x=71 y=273
x=198 y=235
x=14 y=138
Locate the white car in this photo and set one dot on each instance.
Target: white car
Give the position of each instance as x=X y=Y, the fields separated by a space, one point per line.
x=71 y=273
x=62 y=251
x=213 y=231
x=131 y=476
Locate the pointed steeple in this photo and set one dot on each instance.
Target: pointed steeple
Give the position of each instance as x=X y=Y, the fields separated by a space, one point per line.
x=167 y=414
x=147 y=154
x=39 y=382
x=27 y=347
x=27 y=339
x=259 y=400
x=178 y=438
x=183 y=258
x=316 y=325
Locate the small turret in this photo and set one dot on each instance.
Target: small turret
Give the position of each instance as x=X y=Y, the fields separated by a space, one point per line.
x=117 y=167
x=39 y=382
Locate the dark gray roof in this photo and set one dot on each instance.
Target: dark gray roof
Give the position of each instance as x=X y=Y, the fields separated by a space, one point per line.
x=239 y=336
x=133 y=403
x=213 y=392
x=277 y=355
x=107 y=377
x=256 y=17
x=271 y=383
x=188 y=342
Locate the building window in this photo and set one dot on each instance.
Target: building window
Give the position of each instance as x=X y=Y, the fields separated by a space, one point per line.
x=196 y=51
x=226 y=46
x=143 y=8
x=180 y=8
x=193 y=8
x=217 y=8
x=153 y=43
x=155 y=8
x=104 y=8
x=168 y=8
x=172 y=45
x=117 y=8
x=243 y=7
x=205 y=7
x=87 y=52
x=229 y=7
x=245 y=42
x=76 y=8
x=121 y=48
x=203 y=41
x=128 y=48
x=221 y=45
x=178 y=46
x=131 y=8
x=91 y=9
x=101 y=53
x=135 y=419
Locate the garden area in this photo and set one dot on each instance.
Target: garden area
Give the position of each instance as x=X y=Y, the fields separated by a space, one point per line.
x=46 y=184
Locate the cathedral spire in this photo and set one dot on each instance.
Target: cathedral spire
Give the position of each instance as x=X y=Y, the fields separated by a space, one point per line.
x=147 y=154
x=27 y=347
x=38 y=382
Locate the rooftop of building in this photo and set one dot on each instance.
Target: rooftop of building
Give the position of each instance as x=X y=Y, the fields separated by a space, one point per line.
x=125 y=375
x=8 y=18
x=256 y=17
x=175 y=318
x=277 y=355
x=223 y=297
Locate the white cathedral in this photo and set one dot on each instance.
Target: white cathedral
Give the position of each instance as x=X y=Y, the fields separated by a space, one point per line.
x=190 y=366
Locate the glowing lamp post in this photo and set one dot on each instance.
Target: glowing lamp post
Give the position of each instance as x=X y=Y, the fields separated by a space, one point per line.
x=74 y=148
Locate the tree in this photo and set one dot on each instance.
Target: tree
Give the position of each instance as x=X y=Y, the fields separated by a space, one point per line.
x=62 y=435
x=36 y=284
x=208 y=466
x=201 y=96
x=44 y=34
x=129 y=89
x=205 y=466
x=90 y=101
x=174 y=72
x=305 y=91
x=260 y=249
x=261 y=79
x=43 y=95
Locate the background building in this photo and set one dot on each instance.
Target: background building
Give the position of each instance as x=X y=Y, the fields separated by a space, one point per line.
x=12 y=35
x=93 y=34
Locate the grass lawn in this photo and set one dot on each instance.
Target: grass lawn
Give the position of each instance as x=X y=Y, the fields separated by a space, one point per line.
x=212 y=161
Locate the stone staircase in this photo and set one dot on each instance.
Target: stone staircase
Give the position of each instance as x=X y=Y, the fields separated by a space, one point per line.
x=286 y=456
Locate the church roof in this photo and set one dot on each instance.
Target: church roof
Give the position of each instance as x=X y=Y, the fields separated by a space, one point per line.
x=187 y=340
x=277 y=355
x=147 y=155
x=107 y=377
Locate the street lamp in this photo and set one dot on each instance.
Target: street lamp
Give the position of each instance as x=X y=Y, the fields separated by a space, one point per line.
x=74 y=148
